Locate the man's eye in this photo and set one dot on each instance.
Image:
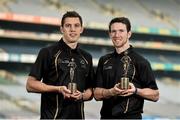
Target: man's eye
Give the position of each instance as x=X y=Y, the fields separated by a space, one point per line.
x=67 y=25
x=121 y=30
x=113 y=31
x=117 y=31
x=77 y=25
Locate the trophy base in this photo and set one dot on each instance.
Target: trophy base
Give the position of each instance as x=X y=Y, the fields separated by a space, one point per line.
x=124 y=83
x=72 y=87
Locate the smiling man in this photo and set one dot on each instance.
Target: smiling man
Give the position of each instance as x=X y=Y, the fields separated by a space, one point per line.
x=123 y=67
x=63 y=73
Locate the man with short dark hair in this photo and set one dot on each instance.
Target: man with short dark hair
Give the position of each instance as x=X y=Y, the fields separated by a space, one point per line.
x=123 y=78
x=63 y=73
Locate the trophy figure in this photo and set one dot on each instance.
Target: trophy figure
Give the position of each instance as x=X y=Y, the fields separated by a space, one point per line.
x=124 y=82
x=72 y=86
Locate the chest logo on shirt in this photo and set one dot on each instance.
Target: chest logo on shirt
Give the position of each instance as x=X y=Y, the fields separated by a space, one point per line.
x=83 y=63
x=108 y=67
x=65 y=61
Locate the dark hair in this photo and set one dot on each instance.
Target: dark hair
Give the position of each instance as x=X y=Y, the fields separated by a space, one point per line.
x=123 y=20
x=71 y=14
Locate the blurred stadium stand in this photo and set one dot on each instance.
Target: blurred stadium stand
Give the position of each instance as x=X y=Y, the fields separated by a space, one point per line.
x=28 y=25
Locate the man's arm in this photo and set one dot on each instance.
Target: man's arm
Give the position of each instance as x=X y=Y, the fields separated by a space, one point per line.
x=149 y=94
x=36 y=86
x=102 y=93
x=87 y=94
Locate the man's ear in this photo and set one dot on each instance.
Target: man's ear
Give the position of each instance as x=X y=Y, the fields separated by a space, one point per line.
x=129 y=34
x=82 y=29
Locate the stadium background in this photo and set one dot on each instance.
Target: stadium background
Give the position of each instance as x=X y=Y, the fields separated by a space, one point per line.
x=28 y=25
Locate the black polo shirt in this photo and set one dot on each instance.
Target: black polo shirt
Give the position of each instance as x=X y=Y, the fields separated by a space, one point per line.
x=110 y=71
x=52 y=68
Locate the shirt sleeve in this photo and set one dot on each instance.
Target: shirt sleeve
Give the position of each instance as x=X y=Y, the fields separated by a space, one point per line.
x=147 y=76
x=41 y=64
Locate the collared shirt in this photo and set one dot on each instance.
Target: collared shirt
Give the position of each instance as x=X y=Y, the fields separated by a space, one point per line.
x=52 y=66
x=110 y=70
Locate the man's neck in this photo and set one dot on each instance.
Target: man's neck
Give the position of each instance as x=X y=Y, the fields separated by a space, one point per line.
x=72 y=45
x=122 y=49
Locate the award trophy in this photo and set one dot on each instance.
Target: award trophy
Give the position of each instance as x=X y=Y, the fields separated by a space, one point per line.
x=129 y=71
x=72 y=86
x=128 y=75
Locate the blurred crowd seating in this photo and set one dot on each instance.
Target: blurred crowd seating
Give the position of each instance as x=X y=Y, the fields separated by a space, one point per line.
x=148 y=13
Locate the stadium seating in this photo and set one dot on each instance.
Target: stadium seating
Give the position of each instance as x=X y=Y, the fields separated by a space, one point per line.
x=141 y=12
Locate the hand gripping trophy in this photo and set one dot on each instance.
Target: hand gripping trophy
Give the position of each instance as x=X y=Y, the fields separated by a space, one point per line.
x=72 y=86
x=128 y=71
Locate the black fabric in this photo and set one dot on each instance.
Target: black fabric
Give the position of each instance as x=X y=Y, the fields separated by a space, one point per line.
x=109 y=72
x=52 y=68
x=124 y=116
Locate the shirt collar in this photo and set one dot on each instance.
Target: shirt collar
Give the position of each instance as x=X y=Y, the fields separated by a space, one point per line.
x=127 y=51
x=63 y=46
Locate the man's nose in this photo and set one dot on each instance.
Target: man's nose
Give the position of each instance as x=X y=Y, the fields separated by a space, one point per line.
x=116 y=34
x=72 y=28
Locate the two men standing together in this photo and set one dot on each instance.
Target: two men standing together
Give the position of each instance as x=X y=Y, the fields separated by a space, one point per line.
x=50 y=75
